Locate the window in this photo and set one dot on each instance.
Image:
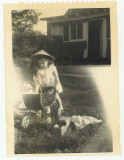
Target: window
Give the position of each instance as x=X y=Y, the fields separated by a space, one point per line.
x=73 y=31
x=60 y=30
x=79 y=30
x=54 y=30
x=66 y=32
x=76 y=31
x=57 y=30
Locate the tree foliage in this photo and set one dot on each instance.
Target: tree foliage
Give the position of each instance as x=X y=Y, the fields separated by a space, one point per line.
x=26 y=43
x=25 y=40
x=24 y=20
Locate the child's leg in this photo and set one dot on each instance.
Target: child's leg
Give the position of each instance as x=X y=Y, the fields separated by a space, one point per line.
x=48 y=111
x=60 y=108
x=48 y=118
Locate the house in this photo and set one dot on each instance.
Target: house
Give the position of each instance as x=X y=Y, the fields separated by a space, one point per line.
x=84 y=33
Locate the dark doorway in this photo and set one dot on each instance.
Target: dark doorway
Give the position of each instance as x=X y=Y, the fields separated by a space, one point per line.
x=94 y=41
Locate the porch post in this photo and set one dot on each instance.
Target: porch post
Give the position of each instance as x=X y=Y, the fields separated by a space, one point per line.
x=85 y=37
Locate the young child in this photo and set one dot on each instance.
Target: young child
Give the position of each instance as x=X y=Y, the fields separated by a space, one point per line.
x=44 y=74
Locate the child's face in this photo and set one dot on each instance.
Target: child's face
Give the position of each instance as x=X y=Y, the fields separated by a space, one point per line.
x=43 y=63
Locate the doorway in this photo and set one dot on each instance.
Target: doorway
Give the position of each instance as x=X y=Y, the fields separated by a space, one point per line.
x=94 y=39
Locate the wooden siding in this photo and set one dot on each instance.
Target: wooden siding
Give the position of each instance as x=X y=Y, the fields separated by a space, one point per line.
x=74 y=49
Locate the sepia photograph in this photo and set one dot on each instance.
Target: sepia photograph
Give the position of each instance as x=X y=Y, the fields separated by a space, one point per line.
x=64 y=80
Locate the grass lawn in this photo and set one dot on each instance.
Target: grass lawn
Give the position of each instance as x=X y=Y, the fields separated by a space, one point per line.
x=79 y=97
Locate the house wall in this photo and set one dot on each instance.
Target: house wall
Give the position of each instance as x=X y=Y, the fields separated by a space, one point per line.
x=105 y=40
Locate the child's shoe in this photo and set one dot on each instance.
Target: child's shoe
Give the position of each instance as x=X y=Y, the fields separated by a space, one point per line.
x=39 y=113
x=25 y=122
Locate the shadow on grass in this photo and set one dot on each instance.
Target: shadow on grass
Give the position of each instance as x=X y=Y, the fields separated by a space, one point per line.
x=37 y=139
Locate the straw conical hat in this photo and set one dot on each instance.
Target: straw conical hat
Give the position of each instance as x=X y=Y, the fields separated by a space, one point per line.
x=43 y=54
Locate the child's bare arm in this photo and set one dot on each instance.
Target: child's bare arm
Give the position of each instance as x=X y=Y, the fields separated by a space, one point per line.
x=36 y=90
x=57 y=81
x=55 y=73
x=36 y=85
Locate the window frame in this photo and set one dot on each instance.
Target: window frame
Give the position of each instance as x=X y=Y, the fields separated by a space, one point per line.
x=77 y=39
x=69 y=31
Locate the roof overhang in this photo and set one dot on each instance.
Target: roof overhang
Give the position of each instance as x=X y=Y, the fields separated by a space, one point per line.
x=77 y=14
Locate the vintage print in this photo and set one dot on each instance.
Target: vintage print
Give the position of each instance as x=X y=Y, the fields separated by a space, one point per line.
x=62 y=79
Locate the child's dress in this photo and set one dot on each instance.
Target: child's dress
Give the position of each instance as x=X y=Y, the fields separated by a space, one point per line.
x=48 y=77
